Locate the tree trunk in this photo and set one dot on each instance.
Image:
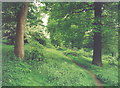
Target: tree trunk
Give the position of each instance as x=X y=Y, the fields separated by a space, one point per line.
x=97 y=60
x=19 y=41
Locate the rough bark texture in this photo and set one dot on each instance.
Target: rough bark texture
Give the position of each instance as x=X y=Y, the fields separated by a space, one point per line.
x=19 y=41
x=97 y=60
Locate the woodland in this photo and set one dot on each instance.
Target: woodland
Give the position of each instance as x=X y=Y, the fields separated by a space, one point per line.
x=60 y=44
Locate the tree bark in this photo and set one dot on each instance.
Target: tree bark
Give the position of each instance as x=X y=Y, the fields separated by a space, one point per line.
x=19 y=39
x=97 y=48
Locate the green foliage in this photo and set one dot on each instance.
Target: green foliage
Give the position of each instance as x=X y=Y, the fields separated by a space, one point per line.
x=49 y=44
x=9 y=11
x=70 y=25
x=55 y=70
x=71 y=52
x=34 y=15
x=8 y=52
x=84 y=52
x=37 y=35
x=109 y=66
x=66 y=27
x=34 y=51
x=110 y=60
x=110 y=42
x=16 y=70
x=61 y=48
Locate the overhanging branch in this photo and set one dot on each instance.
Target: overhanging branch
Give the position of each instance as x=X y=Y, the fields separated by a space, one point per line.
x=83 y=10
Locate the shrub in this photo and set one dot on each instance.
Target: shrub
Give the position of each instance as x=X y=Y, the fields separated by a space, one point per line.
x=110 y=60
x=61 y=48
x=71 y=52
x=36 y=44
x=8 y=52
x=34 y=51
x=49 y=45
x=84 y=52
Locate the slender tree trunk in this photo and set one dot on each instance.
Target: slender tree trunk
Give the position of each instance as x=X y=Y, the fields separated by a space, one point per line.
x=97 y=60
x=19 y=41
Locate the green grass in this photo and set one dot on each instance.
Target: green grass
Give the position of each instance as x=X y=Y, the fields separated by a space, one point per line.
x=108 y=73
x=54 y=70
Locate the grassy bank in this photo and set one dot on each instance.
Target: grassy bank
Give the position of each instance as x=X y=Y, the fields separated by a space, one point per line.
x=108 y=73
x=54 y=69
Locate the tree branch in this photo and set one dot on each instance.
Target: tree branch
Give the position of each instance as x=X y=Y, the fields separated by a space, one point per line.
x=67 y=15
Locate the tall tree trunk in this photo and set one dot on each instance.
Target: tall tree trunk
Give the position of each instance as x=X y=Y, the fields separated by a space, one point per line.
x=19 y=41
x=97 y=60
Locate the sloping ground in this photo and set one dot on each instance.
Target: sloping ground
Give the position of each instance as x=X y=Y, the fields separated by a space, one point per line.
x=108 y=74
x=97 y=81
x=54 y=70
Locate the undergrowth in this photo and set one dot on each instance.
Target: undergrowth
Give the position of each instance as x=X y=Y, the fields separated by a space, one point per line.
x=108 y=73
x=53 y=70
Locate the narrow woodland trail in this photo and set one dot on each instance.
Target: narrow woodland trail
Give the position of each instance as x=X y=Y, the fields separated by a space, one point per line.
x=98 y=82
